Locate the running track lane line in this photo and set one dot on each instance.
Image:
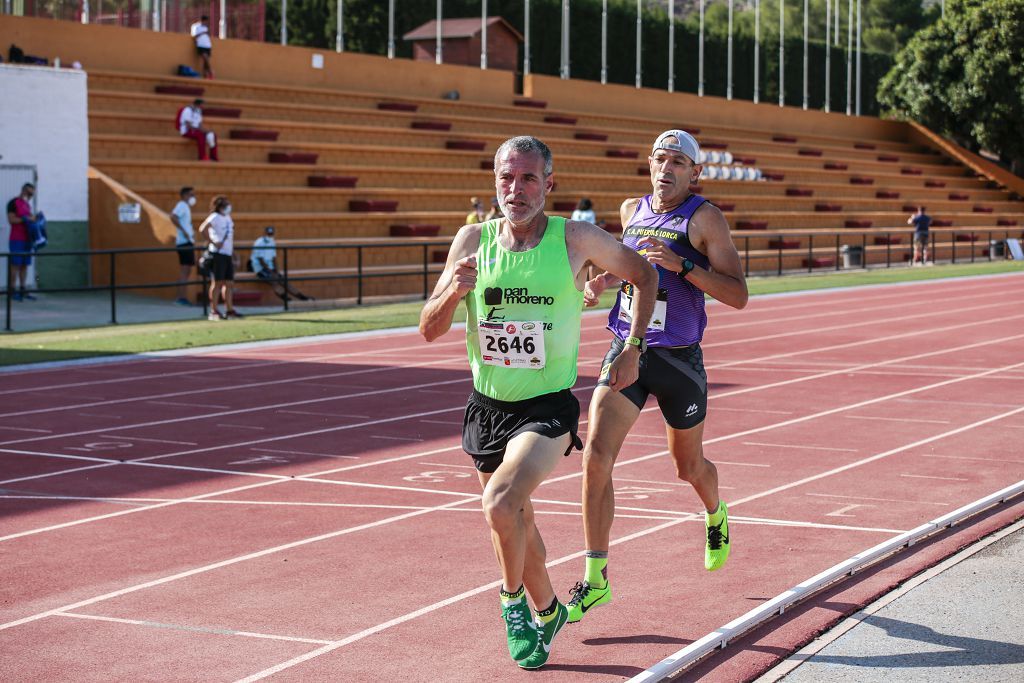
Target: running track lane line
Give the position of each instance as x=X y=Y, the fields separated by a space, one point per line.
x=293 y=380
x=409 y=387
x=218 y=351
x=476 y=497
x=642 y=458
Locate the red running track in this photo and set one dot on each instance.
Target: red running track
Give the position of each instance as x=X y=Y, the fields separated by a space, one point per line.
x=303 y=511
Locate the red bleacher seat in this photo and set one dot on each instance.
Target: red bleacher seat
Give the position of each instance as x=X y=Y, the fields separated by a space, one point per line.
x=725 y=207
x=983 y=209
x=860 y=180
x=858 y=224
x=397 y=106
x=819 y=262
x=564 y=120
x=621 y=153
x=799 y=192
x=863 y=145
x=774 y=176
x=911 y=171
x=810 y=152
x=473 y=145
x=942 y=223
x=885 y=194
x=292 y=157
x=332 y=180
x=249 y=134
x=751 y=225
x=959 y=196
x=783 y=244
x=414 y=230
x=966 y=237
x=563 y=206
x=184 y=90
x=828 y=207
x=835 y=166
x=784 y=138
x=534 y=104
x=222 y=112
x=885 y=239
x=935 y=183
x=430 y=125
x=746 y=161
x=1005 y=222
x=888 y=157
x=367 y=205
x=598 y=137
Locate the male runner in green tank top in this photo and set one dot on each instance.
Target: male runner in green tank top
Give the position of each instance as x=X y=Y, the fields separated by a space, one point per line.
x=522 y=277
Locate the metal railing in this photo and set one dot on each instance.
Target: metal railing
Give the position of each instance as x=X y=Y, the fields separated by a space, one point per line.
x=842 y=246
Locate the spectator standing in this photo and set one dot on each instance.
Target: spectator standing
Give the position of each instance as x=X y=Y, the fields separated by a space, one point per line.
x=584 y=212
x=185 y=241
x=921 y=222
x=19 y=212
x=190 y=125
x=477 y=214
x=200 y=31
x=495 y=211
x=263 y=262
x=221 y=233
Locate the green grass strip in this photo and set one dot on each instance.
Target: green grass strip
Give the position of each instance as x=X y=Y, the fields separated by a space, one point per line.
x=36 y=347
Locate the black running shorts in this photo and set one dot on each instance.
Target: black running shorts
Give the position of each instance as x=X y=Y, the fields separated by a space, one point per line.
x=223 y=268
x=186 y=254
x=489 y=424
x=676 y=377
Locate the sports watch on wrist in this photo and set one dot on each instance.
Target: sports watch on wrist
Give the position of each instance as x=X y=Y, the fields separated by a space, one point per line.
x=688 y=265
x=638 y=342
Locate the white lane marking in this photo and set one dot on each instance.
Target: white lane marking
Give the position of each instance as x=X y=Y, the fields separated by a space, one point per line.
x=291 y=452
x=438 y=464
x=26 y=429
x=443 y=422
x=323 y=414
x=396 y=438
x=925 y=476
x=983 y=404
x=881 y=500
x=755 y=410
x=104 y=417
x=232 y=426
x=967 y=457
x=234 y=560
x=51 y=474
x=185 y=404
x=896 y=419
x=193 y=629
x=789 y=445
x=736 y=464
x=126 y=437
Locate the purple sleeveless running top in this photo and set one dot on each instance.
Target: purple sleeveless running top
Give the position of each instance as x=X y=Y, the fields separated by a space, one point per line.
x=680 y=304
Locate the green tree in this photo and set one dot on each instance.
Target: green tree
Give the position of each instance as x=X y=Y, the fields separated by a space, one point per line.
x=964 y=77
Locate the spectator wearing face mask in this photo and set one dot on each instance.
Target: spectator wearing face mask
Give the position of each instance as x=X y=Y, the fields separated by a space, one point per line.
x=220 y=230
x=189 y=122
x=181 y=216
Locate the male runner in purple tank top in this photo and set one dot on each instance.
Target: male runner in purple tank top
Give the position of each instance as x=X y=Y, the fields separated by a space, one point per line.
x=687 y=240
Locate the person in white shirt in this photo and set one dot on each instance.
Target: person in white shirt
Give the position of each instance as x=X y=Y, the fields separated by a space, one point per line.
x=220 y=230
x=263 y=262
x=181 y=216
x=190 y=125
x=200 y=31
x=584 y=212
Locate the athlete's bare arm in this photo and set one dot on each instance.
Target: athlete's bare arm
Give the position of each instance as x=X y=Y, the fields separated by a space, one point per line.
x=457 y=280
x=709 y=234
x=597 y=285
x=589 y=243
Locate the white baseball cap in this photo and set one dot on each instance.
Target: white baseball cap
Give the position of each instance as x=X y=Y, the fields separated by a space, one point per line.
x=687 y=144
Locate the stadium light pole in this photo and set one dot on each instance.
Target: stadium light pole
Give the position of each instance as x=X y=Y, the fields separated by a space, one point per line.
x=849 y=57
x=728 y=59
x=222 y=28
x=836 y=32
x=483 y=35
x=806 y=89
x=858 y=57
x=437 y=37
x=284 y=22
x=85 y=10
x=639 y=3
x=828 y=53
x=604 y=41
x=782 y=53
x=526 y=37
x=155 y=14
x=391 y=29
x=672 y=45
x=339 y=38
x=700 y=54
x=757 y=51
x=564 y=70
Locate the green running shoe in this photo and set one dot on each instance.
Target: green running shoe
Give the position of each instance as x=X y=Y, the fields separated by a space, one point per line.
x=583 y=596
x=547 y=633
x=716 y=552
x=520 y=629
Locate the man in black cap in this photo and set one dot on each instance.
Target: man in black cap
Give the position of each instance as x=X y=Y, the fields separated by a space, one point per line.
x=263 y=262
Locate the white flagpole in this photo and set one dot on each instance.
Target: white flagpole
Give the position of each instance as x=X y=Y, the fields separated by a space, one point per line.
x=483 y=35
x=700 y=54
x=728 y=83
x=828 y=53
x=339 y=38
x=782 y=53
x=639 y=3
x=757 y=51
x=391 y=29
x=672 y=45
x=806 y=89
x=437 y=38
x=604 y=41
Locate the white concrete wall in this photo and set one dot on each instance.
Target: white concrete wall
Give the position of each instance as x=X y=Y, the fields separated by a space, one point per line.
x=44 y=123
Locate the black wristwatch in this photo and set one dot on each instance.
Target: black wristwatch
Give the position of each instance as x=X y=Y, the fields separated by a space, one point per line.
x=688 y=265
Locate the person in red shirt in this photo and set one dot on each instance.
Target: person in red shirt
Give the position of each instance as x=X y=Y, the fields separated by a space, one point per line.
x=18 y=210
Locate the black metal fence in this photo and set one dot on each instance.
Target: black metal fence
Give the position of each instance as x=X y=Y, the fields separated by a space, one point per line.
x=823 y=251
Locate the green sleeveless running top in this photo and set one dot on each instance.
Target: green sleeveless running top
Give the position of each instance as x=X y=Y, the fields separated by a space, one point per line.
x=523 y=323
